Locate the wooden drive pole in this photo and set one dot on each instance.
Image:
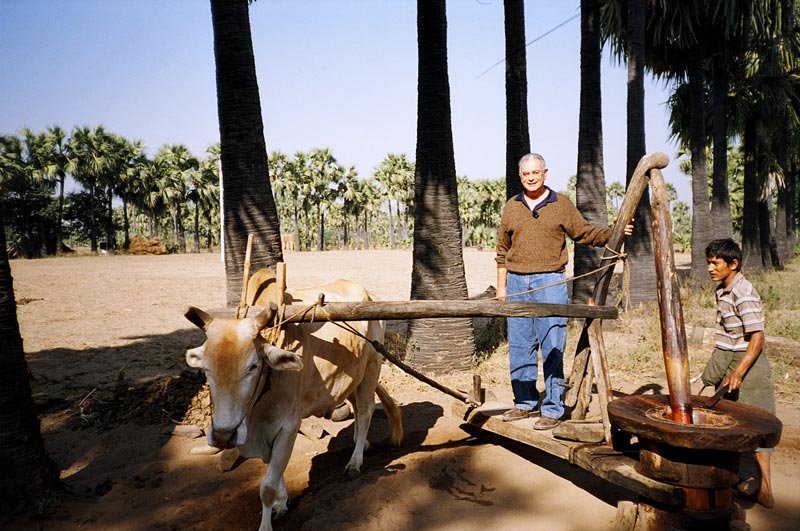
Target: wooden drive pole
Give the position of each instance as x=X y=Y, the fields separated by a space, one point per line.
x=418 y=309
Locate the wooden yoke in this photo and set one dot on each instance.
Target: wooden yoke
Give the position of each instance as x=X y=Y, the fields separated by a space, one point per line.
x=630 y=201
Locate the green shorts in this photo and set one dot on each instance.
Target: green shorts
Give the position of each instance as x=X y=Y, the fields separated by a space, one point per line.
x=757 y=388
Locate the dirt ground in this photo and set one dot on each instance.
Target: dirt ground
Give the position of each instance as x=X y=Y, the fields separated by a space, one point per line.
x=105 y=339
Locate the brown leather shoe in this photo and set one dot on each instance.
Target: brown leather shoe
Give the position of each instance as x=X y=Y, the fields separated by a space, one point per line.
x=545 y=423
x=519 y=414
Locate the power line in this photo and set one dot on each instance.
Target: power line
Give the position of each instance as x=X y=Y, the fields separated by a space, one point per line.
x=543 y=35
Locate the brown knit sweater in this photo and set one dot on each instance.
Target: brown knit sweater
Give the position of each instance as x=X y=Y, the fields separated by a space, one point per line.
x=528 y=244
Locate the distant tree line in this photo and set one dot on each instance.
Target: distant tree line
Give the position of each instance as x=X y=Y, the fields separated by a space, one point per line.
x=123 y=193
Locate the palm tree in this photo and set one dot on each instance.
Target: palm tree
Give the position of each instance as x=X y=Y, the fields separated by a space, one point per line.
x=204 y=193
x=323 y=174
x=181 y=169
x=247 y=202
x=40 y=222
x=370 y=205
x=676 y=49
x=438 y=265
x=766 y=103
x=90 y=150
x=56 y=158
x=624 y=24
x=350 y=192
x=28 y=472
x=590 y=182
x=518 y=142
x=395 y=176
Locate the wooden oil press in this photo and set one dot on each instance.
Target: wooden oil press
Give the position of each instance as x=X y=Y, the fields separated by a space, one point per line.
x=680 y=440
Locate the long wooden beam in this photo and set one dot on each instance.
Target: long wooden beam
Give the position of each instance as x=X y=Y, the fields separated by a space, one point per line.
x=417 y=309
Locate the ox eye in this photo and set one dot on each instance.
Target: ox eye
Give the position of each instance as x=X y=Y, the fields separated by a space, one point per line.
x=253 y=367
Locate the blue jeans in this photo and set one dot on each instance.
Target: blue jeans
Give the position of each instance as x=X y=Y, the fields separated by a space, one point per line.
x=527 y=335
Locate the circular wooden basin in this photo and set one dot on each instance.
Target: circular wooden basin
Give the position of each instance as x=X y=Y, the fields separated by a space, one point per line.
x=729 y=426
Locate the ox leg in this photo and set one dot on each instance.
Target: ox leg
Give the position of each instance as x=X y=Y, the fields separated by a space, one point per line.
x=363 y=407
x=273 y=493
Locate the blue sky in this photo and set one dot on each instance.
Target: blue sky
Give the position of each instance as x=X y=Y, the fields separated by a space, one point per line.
x=339 y=74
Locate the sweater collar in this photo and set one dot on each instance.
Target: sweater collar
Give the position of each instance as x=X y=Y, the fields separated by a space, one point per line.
x=552 y=197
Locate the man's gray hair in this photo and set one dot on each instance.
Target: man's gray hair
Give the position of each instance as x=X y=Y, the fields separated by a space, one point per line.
x=532 y=156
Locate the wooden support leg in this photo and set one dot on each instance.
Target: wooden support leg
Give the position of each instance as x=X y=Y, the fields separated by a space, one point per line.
x=604 y=392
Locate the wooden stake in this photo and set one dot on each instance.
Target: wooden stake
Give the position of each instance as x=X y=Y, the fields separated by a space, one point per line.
x=245 y=277
x=280 y=281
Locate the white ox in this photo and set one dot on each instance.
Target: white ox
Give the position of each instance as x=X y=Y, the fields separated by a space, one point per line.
x=260 y=391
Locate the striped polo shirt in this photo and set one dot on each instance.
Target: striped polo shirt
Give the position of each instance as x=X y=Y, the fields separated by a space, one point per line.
x=739 y=312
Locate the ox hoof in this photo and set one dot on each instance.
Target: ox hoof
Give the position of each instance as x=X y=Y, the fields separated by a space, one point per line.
x=352 y=471
x=227 y=458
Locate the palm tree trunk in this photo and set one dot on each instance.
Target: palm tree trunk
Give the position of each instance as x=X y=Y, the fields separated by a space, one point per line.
x=720 y=200
x=518 y=142
x=782 y=216
x=92 y=217
x=391 y=226
x=639 y=246
x=28 y=472
x=769 y=249
x=126 y=224
x=111 y=243
x=321 y=229
x=791 y=205
x=345 y=234
x=180 y=230
x=590 y=183
x=296 y=222
x=701 y=213
x=196 y=245
x=751 y=248
x=438 y=265
x=248 y=204
x=60 y=216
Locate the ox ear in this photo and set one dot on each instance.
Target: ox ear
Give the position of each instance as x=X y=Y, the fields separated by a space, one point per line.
x=194 y=357
x=198 y=317
x=282 y=360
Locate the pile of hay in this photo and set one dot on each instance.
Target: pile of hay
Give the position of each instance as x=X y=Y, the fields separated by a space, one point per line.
x=140 y=245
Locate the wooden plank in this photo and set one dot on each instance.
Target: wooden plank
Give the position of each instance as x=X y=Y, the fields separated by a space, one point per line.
x=620 y=469
x=600 y=460
x=428 y=309
x=488 y=418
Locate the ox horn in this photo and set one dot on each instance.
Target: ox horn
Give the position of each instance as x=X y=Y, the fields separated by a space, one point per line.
x=266 y=316
x=198 y=317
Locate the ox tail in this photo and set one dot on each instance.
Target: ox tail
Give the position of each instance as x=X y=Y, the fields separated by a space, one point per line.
x=393 y=412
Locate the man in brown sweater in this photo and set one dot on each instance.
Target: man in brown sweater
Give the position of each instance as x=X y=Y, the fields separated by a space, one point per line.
x=531 y=262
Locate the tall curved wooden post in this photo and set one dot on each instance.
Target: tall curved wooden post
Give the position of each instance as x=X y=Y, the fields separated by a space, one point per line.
x=636 y=188
x=673 y=330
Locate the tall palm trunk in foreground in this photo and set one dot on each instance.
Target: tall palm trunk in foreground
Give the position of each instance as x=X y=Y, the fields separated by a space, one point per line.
x=438 y=266
x=247 y=202
x=590 y=183
x=518 y=141
x=27 y=473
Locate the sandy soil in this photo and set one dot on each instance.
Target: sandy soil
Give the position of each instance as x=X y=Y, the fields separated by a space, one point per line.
x=105 y=340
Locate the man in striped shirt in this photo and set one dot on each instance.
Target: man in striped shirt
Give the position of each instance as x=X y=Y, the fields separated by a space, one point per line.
x=737 y=362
